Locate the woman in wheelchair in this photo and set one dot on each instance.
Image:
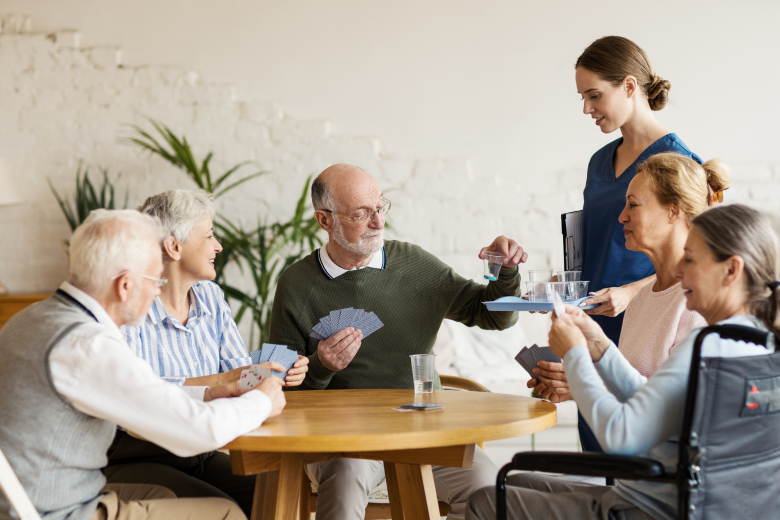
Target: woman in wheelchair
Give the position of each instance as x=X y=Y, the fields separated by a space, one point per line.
x=729 y=275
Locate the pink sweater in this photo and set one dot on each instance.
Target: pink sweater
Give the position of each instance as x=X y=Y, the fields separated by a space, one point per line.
x=654 y=323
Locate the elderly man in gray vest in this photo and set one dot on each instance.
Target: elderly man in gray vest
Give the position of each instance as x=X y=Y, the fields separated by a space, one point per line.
x=67 y=379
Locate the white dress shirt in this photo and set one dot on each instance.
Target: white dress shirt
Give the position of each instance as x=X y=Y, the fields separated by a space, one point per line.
x=331 y=270
x=93 y=369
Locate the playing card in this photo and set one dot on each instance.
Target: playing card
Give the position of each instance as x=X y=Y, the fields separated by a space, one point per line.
x=529 y=357
x=255 y=355
x=560 y=312
x=335 y=321
x=345 y=318
x=251 y=377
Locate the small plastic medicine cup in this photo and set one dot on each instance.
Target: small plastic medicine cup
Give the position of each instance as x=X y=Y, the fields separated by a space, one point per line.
x=493 y=262
x=556 y=287
x=422 y=372
x=569 y=276
x=540 y=275
x=535 y=292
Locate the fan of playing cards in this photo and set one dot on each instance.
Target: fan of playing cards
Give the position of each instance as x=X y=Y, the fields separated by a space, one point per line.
x=367 y=322
x=528 y=357
x=270 y=352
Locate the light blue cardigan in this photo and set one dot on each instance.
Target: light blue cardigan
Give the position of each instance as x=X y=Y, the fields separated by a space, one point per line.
x=633 y=415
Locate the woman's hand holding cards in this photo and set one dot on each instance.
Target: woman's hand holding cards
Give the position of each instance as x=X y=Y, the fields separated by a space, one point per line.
x=297 y=373
x=552 y=385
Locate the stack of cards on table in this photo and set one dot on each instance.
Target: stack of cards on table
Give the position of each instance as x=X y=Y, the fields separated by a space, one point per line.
x=528 y=357
x=278 y=353
x=367 y=322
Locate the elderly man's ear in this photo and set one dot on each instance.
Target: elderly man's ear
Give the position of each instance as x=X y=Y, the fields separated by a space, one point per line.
x=172 y=248
x=324 y=220
x=122 y=287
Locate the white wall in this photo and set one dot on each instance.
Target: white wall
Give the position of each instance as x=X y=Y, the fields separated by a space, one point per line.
x=474 y=104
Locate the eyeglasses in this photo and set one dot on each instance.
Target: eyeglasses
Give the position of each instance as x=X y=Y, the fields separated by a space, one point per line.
x=159 y=282
x=384 y=210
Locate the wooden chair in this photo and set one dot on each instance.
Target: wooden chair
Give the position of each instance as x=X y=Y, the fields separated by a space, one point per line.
x=380 y=510
x=15 y=493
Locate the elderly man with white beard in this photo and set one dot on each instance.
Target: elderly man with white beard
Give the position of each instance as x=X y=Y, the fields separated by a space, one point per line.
x=411 y=291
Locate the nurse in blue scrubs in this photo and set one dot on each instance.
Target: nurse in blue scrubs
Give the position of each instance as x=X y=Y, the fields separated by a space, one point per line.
x=620 y=91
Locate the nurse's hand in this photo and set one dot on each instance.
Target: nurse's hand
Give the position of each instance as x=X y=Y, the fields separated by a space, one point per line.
x=613 y=300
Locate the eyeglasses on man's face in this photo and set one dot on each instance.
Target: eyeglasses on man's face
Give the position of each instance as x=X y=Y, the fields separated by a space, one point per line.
x=158 y=282
x=367 y=217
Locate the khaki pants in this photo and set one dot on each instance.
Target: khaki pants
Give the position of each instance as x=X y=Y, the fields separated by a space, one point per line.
x=344 y=485
x=142 y=502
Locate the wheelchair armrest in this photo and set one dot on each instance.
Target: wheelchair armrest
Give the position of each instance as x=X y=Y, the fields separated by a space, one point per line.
x=591 y=464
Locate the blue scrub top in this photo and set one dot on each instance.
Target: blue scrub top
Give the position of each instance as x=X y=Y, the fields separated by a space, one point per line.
x=606 y=261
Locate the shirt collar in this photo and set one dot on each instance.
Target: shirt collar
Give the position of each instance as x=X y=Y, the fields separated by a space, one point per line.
x=157 y=312
x=90 y=303
x=331 y=270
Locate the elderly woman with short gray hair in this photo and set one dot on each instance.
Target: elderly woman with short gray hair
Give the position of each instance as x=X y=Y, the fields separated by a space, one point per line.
x=189 y=337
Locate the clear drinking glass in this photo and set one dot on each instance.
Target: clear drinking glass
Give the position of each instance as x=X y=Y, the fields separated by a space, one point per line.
x=535 y=291
x=580 y=290
x=569 y=276
x=540 y=275
x=493 y=262
x=551 y=288
x=422 y=372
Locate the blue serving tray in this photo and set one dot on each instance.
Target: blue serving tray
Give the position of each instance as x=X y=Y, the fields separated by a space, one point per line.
x=513 y=303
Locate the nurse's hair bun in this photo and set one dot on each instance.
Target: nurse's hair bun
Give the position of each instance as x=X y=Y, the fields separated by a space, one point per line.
x=658 y=92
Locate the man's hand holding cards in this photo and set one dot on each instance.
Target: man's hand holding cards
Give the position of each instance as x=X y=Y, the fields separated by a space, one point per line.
x=341 y=333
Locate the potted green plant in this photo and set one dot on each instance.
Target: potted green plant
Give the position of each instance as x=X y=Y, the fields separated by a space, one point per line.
x=86 y=198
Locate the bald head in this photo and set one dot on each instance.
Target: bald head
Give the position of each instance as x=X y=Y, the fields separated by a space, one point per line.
x=343 y=188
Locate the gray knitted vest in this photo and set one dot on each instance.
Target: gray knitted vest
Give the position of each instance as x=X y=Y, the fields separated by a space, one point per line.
x=56 y=451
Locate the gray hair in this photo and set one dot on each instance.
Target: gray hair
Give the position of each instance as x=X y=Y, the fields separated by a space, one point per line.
x=321 y=197
x=738 y=230
x=179 y=210
x=109 y=242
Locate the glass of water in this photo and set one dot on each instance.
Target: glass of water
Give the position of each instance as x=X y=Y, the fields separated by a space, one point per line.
x=422 y=372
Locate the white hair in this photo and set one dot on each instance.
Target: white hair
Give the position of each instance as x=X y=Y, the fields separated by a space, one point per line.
x=179 y=211
x=109 y=242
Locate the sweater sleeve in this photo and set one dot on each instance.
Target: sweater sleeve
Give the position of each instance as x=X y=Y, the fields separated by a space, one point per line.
x=460 y=298
x=284 y=330
x=467 y=296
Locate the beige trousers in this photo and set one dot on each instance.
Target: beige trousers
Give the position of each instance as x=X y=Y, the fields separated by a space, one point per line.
x=143 y=501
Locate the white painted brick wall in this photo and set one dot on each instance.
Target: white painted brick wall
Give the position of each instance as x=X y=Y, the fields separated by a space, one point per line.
x=61 y=104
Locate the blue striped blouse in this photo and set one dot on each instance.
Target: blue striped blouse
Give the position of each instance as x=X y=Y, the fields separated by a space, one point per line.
x=207 y=345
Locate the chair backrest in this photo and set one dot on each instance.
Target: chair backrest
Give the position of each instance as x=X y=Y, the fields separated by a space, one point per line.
x=14 y=492
x=730 y=440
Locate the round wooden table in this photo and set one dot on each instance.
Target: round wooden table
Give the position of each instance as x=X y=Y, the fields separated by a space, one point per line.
x=323 y=425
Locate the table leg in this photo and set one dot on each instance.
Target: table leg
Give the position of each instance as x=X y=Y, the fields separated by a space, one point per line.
x=305 y=511
x=264 y=503
x=288 y=495
x=396 y=509
x=418 y=491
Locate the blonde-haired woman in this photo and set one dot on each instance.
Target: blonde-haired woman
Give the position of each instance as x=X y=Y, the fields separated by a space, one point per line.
x=667 y=193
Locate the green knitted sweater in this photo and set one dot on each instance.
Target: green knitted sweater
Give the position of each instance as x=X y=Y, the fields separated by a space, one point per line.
x=412 y=295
